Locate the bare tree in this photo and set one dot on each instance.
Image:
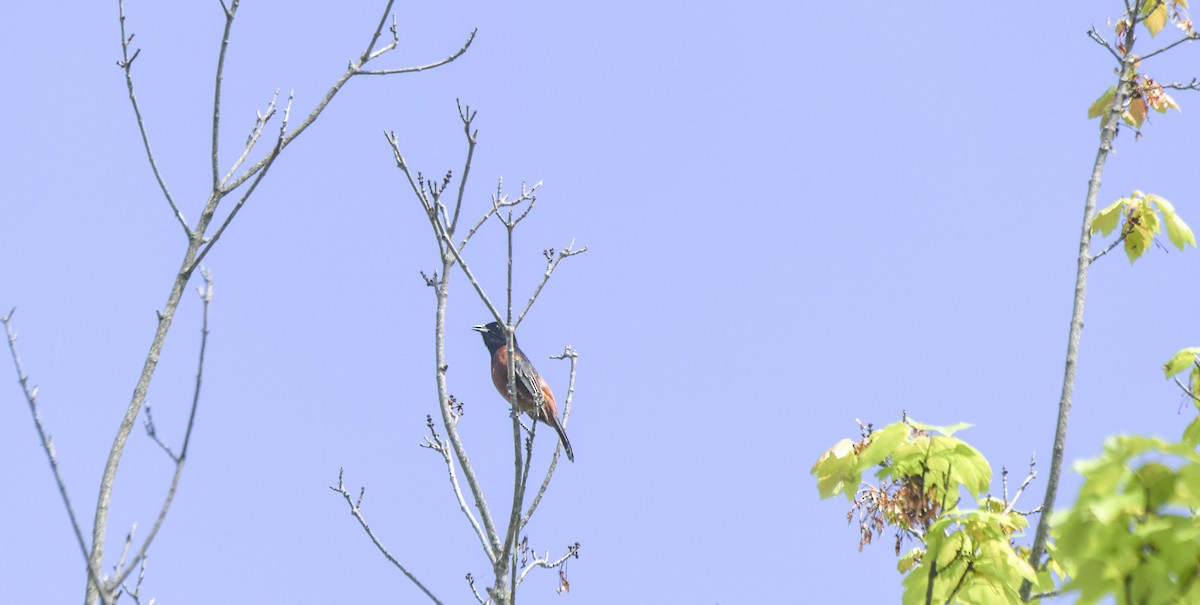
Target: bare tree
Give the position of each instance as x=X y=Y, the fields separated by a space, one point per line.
x=505 y=547
x=238 y=181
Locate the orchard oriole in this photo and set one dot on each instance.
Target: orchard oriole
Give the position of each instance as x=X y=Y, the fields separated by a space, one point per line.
x=530 y=385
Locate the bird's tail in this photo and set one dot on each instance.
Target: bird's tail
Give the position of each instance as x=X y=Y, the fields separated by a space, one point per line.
x=562 y=436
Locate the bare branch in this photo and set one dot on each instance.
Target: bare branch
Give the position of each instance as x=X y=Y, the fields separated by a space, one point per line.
x=230 y=12
x=1109 y=248
x=249 y=191
x=136 y=593
x=546 y=563
x=462 y=263
x=467 y=116
x=471 y=582
x=126 y=64
x=260 y=124
x=48 y=446
x=551 y=262
x=1187 y=391
x=206 y=294
x=1098 y=39
x=351 y=71
x=1187 y=38
x=1193 y=85
x=152 y=432
x=367 y=54
x=356 y=512
x=568 y=353
x=405 y=70
x=1010 y=505
x=437 y=445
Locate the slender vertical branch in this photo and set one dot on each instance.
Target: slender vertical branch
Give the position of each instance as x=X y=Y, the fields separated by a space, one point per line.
x=1107 y=133
x=230 y=12
x=444 y=407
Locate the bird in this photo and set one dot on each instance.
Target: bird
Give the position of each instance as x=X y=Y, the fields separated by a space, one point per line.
x=528 y=379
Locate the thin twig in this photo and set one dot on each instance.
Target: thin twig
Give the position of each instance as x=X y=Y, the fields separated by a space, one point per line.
x=152 y=432
x=546 y=563
x=260 y=124
x=126 y=64
x=351 y=71
x=1109 y=247
x=1010 y=505
x=1098 y=39
x=1187 y=390
x=136 y=593
x=478 y=597
x=467 y=116
x=551 y=262
x=458 y=493
x=1187 y=38
x=48 y=446
x=356 y=511
x=568 y=353
x=405 y=70
x=1193 y=85
x=250 y=190
x=230 y=12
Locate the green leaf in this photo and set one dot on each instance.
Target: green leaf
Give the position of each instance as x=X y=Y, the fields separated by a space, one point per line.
x=835 y=469
x=1179 y=233
x=882 y=444
x=1191 y=435
x=1177 y=230
x=1180 y=361
x=971 y=469
x=945 y=430
x=1106 y=220
x=1137 y=241
x=1157 y=18
x=1104 y=103
x=910 y=559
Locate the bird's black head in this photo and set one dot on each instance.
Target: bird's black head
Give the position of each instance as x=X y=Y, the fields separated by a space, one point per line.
x=493 y=336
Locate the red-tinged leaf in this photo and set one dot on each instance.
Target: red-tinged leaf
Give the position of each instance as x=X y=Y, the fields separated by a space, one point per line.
x=1103 y=104
x=1137 y=112
x=1169 y=102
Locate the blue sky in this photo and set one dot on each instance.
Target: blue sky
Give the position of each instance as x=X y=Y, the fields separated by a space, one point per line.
x=797 y=215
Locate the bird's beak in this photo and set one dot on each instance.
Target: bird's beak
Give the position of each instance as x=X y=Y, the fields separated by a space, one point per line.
x=480 y=328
